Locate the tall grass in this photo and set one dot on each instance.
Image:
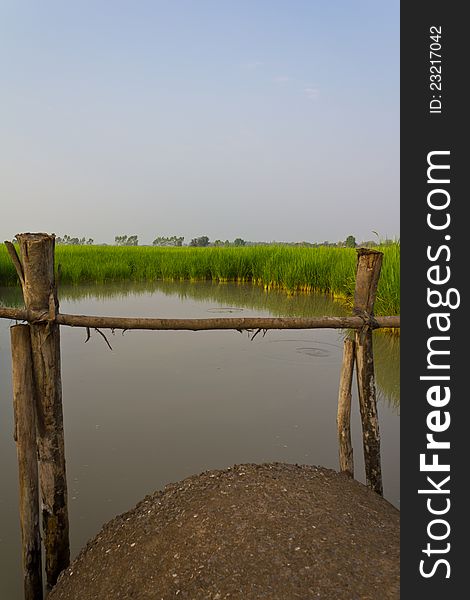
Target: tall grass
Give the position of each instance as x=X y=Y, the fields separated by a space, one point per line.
x=293 y=269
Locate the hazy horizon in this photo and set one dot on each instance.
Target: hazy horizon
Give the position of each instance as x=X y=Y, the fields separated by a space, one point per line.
x=265 y=121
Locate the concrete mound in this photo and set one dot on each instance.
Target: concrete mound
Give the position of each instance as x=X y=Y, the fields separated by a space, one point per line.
x=251 y=532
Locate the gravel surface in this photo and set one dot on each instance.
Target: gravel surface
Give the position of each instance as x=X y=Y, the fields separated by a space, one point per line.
x=272 y=531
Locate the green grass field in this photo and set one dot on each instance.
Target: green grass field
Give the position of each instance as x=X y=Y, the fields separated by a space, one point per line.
x=293 y=269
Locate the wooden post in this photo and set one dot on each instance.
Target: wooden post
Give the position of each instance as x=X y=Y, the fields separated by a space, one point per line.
x=37 y=254
x=369 y=263
x=346 y=462
x=25 y=436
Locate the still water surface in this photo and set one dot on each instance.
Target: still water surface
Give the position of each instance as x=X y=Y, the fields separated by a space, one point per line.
x=165 y=405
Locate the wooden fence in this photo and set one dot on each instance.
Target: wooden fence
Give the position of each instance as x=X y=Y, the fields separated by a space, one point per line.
x=37 y=391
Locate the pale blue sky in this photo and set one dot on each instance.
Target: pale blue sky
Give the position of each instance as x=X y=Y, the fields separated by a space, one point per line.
x=266 y=120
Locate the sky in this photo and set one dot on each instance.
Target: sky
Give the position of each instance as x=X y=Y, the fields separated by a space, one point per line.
x=260 y=119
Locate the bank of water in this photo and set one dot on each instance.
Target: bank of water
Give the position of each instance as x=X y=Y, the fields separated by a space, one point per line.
x=164 y=405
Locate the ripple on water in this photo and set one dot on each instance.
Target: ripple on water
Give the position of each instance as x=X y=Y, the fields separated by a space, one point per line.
x=307 y=348
x=317 y=352
x=225 y=309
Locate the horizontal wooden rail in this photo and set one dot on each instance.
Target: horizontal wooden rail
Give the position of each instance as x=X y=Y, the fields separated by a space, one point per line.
x=355 y=322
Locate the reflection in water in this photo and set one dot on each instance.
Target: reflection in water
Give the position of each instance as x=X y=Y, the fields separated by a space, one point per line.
x=164 y=405
x=387 y=367
x=230 y=297
x=11 y=296
x=233 y=298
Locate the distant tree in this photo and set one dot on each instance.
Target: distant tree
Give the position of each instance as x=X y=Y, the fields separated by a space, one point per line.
x=350 y=242
x=168 y=241
x=218 y=243
x=125 y=240
x=227 y=243
x=239 y=242
x=90 y=241
x=200 y=242
x=70 y=241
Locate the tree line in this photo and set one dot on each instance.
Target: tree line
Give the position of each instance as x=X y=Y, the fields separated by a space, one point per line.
x=203 y=241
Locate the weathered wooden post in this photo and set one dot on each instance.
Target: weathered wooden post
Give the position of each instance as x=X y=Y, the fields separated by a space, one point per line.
x=39 y=292
x=25 y=436
x=369 y=263
x=346 y=462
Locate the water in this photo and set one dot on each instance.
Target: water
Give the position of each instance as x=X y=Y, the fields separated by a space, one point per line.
x=163 y=405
